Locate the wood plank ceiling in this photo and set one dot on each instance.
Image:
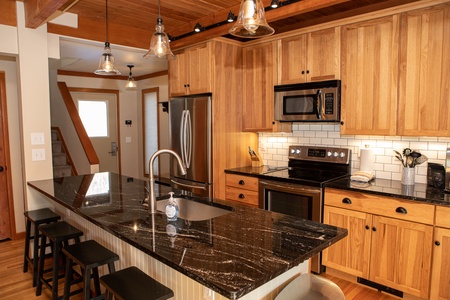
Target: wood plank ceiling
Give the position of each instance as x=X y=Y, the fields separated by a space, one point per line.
x=131 y=23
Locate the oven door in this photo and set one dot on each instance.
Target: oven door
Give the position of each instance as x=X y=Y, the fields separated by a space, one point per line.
x=295 y=200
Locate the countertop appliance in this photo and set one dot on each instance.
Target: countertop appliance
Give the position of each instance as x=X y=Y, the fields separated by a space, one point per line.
x=190 y=130
x=436 y=175
x=308 y=102
x=298 y=190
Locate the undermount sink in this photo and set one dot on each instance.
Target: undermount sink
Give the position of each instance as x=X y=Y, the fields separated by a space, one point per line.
x=192 y=210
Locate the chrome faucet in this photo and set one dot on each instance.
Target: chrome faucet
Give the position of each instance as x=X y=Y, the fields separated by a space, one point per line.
x=151 y=177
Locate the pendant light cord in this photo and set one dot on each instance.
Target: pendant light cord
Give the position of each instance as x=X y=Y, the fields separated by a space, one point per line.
x=107 y=21
x=159 y=9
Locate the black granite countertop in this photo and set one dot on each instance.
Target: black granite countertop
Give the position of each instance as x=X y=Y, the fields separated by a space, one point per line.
x=232 y=254
x=391 y=188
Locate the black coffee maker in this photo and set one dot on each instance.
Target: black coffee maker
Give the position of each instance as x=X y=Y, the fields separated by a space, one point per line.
x=436 y=175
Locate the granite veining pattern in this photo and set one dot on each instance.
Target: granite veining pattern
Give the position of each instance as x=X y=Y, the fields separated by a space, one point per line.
x=232 y=254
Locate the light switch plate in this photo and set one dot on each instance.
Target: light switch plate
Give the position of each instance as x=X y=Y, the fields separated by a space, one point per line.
x=128 y=139
x=38 y=154
x=37 y=138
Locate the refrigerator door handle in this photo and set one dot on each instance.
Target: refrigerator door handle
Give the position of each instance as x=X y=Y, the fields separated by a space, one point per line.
x=183 y=136
x=188 y=129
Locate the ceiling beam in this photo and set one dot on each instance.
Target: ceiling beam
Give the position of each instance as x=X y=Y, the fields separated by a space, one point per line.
x=38 y=11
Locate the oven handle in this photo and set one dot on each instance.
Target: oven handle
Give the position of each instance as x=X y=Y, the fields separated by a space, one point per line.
x=289 y=187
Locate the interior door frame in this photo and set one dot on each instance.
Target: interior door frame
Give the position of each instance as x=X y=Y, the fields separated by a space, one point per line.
x=106 y=91
x=9 y=190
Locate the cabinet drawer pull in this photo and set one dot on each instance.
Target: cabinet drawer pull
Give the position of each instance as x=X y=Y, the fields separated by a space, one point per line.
x=437 y=243
x=401 y=210
x=347 y=201
x=241 y=182
x=241 y=196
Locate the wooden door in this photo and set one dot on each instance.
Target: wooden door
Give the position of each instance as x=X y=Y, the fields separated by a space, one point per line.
x=424 y=96
x=6 y=203
x=259 y=79
x=178 y=73
x=369 y=75
x=324 y=54
x=401 y=255
x=440 y=283
x=199 y=69
x=351 y=254
x=292 y=66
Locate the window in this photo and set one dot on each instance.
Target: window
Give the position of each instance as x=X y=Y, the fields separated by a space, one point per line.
x=94 y=115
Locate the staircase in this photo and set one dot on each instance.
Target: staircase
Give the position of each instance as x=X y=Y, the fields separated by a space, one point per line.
x=62 y=162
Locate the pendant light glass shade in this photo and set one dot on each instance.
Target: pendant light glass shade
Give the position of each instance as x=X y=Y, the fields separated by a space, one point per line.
x=251 y=22
x=131 y=83
x=159 y=44
x=106 y=65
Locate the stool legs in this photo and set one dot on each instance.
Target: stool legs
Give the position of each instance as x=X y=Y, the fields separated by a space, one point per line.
x=27 y=247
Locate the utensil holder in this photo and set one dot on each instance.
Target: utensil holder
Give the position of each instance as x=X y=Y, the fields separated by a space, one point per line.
x=408 y=176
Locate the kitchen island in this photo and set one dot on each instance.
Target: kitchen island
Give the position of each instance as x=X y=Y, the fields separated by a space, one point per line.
x=245 y=252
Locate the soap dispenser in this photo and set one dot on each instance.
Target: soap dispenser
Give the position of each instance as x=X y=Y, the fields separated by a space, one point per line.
x=172 y=208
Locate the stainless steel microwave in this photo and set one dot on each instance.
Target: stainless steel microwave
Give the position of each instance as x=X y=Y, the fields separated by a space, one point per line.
x=308 y=102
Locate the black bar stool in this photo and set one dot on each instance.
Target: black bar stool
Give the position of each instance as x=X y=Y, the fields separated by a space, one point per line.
x=131 y=284
x=59 y=234
x=35 y=218
x=89 y=255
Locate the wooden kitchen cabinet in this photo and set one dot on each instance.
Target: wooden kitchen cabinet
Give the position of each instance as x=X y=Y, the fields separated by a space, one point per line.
x=259 y=79
x=389 y=240
x=243 y=189
x=190 y=72
x=313 y=56
x=369 y=73
x=440 y=283
x=424 y=72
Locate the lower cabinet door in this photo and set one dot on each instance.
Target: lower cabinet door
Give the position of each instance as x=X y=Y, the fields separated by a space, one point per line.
x=440 y=277
x=401 y=255
x=351 y=254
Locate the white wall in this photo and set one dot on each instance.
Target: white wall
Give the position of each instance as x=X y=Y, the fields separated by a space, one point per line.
x=274 y=148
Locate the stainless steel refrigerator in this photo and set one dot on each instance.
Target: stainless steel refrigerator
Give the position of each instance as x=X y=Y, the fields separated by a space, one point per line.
x=190 y=128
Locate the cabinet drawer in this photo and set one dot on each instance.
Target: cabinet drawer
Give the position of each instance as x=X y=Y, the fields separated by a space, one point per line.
x=243 y=196
x=242 y=182
x=442 y=216
x=380 y=205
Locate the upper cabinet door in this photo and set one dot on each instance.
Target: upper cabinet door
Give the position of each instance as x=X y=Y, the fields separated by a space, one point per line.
x=190 y=72
x=308 y=57
x=424 y=98
x=369 y=76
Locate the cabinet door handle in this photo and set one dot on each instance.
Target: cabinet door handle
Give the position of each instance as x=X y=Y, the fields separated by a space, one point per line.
x=241 y=182
x=437 y=243
x=401 y=210
x=241 y=196
x=367 y=227
x=303 y=71
x=347 y=201
x=374 y=229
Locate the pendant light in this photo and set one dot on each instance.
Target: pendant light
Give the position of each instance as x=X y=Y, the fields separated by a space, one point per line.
x=106 y=65
x=159 y=44
x=131 y=83
x=251 y=22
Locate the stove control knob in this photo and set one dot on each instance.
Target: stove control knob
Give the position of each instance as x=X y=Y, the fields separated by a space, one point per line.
x=292 y=151
x=329 y=153
x=335 y=154
x=298 y=151
x=342 y=155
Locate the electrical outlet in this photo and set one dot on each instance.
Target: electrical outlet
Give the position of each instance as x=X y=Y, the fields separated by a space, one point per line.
x=262 y=147
x=208 y=294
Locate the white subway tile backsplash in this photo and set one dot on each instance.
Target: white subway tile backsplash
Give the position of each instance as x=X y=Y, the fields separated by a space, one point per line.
x=385 y=167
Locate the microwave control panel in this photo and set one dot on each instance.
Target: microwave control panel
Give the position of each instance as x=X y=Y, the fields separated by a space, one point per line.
x=329 y=103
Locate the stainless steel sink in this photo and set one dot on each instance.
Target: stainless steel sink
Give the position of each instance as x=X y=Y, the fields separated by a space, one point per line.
x=192 y=210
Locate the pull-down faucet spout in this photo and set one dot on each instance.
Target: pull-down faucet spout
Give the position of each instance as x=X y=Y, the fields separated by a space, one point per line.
x=151 y=177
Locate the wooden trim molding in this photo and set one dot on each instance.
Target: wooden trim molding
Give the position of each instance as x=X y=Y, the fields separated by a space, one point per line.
x=118 y=77
x=76 y=120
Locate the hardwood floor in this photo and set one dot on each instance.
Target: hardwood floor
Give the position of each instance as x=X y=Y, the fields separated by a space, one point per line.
x=16 y=285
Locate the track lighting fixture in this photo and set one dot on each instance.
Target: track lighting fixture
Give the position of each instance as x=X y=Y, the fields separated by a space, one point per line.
x=131 y=83
x=274 y=4
x=159 y=44
x=251 y=22
x=231 y=17
x=198 y=27
x=106 y=65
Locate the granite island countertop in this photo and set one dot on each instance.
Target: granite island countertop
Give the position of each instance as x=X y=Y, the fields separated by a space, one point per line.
x=232 y=254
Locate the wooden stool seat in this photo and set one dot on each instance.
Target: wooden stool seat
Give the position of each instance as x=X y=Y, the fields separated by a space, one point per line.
x=59 y=234
x=88 y=255
x=35 y=218
x=131 y=283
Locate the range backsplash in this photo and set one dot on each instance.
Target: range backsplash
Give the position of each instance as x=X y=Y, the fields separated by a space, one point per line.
x=273 y=148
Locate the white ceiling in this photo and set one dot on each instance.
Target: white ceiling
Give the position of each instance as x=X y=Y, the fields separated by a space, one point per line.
x=83 y=56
